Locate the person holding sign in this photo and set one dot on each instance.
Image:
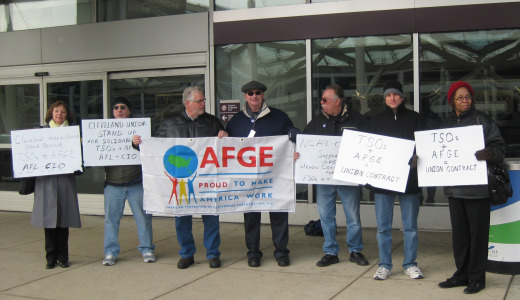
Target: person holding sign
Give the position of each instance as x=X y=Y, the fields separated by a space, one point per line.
x=193 y=121
x=400 y=122
x=255 y=120
x=125 y=183
x=56 y=199
x=470 y=205
x=333 y=118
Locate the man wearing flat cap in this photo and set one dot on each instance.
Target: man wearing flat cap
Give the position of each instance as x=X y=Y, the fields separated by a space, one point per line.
x=256 y=120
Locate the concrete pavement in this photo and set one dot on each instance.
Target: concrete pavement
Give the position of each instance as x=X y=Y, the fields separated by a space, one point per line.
x=23 y=274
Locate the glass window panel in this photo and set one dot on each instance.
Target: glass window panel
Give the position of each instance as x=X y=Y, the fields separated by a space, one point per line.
x=233 y=4
x=112 y=10
x=85 y=99
x=488 y=60
x=19 y=109
x=24 y=14
x=278 y=65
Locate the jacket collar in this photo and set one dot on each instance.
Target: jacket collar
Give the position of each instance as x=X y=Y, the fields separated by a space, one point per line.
x=264 y=110
x=341 y=115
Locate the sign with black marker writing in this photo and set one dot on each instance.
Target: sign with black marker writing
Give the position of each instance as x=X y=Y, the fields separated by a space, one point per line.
x=378 y=160
x=46 y=151
x=318 y=155
x=447 y=156
x=108 y=142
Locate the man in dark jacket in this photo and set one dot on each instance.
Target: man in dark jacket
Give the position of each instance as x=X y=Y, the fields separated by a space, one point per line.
x=193 y=121
x=397 y=121
x=258 y=119
x=333 y=118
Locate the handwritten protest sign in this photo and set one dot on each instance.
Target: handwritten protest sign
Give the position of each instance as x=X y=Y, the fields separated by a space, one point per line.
x=46 y=151
x=318 y=155
x=447 y=156
x=378 y=160
x=184 y=176
x=108 y=142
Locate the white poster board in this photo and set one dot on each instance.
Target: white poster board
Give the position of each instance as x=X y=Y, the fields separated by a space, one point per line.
x=318 y=155
x=108 y=142
x=447 y=156
x=378 y=160
x=46 y=151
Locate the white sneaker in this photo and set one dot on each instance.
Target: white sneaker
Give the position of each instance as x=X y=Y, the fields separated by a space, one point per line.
x=109 y=260
x=148 y=257
x=382 y=273
x=414 y=272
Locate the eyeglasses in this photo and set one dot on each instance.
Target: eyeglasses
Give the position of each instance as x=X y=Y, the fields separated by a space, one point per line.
x=325 y=99
x=198 y=101
x=121 y=107
x=462 y=98
x=258 y=93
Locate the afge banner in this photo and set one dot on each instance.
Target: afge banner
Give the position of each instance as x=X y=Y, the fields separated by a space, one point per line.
x=378 y=160
x=184 y=176
x=447 y=156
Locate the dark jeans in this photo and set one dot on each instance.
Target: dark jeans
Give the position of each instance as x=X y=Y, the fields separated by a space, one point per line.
x=279 y=229
x=57 y=244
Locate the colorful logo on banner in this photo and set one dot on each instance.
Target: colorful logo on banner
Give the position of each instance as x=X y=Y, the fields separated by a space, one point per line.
x=181 y=162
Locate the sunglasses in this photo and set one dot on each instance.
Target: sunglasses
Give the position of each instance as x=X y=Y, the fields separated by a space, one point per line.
x=325 y=99
x=258 y=93
x=121 y=107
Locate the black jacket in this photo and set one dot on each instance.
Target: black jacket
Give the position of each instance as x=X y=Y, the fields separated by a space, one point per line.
x=323 y=124
x=180 y=125
x=402 y=125
x=492 y=139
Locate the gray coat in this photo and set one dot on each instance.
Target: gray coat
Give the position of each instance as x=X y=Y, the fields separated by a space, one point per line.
x=56 y=202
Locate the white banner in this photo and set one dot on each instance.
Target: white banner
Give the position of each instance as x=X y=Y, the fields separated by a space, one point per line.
x=108 y=142
x=185 y=176
x=447 y=156
x=318 y=155
x=378 y=160
x=46 y=151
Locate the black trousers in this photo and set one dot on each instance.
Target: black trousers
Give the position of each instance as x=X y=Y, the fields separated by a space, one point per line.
x=279 y=229
x=470 y=227
x=57 y=244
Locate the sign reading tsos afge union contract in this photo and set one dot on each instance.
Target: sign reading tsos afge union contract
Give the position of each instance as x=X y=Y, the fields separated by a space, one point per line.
x=447 y=156
x=46 y=151
x=378 y=160
x=108 y=142
x=318 y=155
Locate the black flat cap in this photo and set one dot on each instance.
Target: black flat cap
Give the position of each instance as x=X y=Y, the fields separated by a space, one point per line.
x=253 y=85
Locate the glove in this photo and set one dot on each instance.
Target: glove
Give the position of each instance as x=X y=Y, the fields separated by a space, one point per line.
x=486 y=154
x=413 y=161
x=293 y=132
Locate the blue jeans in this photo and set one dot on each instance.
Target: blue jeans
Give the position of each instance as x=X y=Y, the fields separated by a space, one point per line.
x=326 y=200
x=114 y=205
x=384 y=204
x=183 y=227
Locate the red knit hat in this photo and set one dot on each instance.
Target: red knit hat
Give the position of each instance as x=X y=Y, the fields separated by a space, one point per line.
x=455 y=86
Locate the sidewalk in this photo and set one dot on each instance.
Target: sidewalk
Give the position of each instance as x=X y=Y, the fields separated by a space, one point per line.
x=23 y=274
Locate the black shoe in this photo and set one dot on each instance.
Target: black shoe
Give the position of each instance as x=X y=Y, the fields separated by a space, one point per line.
x=451 y=283
x=327 y=260
x=253 y=262
x=64 y=264
x=185 y=262
x=474 y=287
x=283 y=261
x=214 y=263
x=50 y=265
x=358 y=258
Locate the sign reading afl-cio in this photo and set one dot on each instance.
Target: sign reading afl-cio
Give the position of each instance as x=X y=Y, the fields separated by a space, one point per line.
x=108 y=142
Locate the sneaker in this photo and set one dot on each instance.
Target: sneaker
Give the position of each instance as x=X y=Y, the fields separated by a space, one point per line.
x=382 y=273
x=149 y=257
x=358 y=258
x=414 y=272
x=109 y=260
x=327 y=260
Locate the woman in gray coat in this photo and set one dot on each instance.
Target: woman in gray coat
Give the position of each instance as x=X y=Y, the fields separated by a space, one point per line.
x=56 y=200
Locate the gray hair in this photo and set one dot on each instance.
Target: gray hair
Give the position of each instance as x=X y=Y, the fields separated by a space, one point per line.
x=186 y=95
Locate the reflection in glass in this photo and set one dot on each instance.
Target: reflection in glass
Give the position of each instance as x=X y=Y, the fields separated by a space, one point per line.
x=85 y=99
x=233 y=4
x=278 y=65
x=112 y=10
x=24 y=14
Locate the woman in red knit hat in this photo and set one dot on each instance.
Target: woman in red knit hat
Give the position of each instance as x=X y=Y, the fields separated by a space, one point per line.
x=470 y=205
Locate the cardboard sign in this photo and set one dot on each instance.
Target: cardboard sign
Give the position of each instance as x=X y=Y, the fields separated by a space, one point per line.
x=318 y=155
x=378 y=160
x=108 y=142
x=46 y=151
x=447 y=156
